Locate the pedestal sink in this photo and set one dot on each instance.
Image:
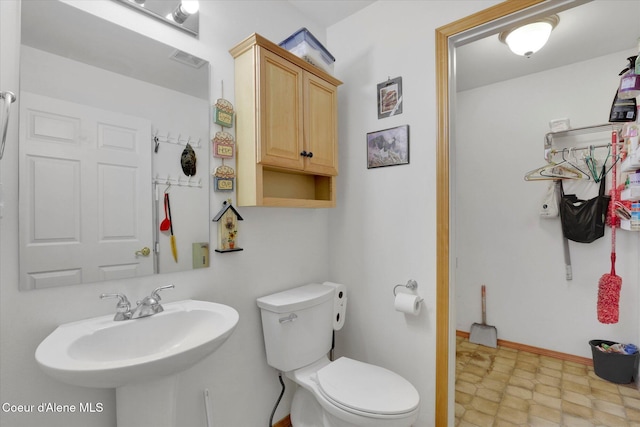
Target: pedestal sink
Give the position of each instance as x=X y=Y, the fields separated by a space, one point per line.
x=140 y=358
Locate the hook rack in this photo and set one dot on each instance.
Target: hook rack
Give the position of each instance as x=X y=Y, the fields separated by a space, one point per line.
x=179 y=182
x=178 y=140
x=411 y=284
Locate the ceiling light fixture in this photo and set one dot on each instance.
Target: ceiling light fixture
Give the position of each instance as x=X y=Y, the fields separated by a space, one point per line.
x=527 y=39
x=185 y=9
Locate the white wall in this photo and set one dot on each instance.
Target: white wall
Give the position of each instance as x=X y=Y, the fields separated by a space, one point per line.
x=501 y=239
x=282 y=248
x=383 y=228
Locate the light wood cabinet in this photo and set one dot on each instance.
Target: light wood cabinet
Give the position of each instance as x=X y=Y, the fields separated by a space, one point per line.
x=286 y=128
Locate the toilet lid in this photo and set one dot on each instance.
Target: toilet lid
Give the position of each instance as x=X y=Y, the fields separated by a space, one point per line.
x=367 y=388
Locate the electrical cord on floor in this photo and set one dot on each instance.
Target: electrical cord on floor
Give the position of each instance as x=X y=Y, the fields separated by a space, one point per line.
x=278 y=401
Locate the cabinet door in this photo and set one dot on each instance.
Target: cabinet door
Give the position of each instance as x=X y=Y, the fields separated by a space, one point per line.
x=280 y=113
x=321 y=125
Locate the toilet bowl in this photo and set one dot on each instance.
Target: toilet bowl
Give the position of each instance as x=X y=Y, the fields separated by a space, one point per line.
x=297 y=326
x=350 y=393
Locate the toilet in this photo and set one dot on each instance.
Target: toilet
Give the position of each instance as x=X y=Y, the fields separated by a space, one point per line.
x=298 y=326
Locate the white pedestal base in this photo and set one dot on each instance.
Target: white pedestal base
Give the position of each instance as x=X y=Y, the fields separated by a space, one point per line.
x=152 y=403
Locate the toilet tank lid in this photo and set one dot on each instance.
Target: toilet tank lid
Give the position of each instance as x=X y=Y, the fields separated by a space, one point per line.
x=297 y=298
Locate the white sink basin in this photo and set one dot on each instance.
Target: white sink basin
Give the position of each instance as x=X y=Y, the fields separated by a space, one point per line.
x=101 y=352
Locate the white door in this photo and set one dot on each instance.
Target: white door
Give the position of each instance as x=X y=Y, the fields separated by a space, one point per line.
x=85 y=188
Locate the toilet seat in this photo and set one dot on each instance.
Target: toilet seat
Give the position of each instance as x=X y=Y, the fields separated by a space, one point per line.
x=366 y=389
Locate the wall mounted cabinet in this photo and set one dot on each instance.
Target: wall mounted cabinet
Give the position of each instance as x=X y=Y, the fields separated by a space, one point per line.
x=286 y=128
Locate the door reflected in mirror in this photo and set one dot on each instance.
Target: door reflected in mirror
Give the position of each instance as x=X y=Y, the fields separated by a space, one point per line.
x=105 y=115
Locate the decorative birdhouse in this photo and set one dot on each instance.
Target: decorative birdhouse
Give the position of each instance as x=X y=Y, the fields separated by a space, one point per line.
x=227 y=220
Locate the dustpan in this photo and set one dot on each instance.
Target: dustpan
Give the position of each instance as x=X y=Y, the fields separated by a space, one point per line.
x=481 y=333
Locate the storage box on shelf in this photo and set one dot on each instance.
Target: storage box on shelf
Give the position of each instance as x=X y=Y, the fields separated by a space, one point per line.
x=631 y=163
x=303 y=44
x=632 y=194
x=286 y=128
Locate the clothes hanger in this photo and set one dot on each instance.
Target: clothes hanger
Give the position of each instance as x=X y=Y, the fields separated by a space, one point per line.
x=592 y=164
x=573 y=165
x=560 y=170
x=552 y=171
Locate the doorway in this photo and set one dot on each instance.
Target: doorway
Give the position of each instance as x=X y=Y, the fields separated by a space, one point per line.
x=447 y=38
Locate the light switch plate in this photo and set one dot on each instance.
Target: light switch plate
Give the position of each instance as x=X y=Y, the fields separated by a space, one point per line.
x=200 y=255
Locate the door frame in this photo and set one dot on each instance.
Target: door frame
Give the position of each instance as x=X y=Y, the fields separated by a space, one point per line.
x=445 y=87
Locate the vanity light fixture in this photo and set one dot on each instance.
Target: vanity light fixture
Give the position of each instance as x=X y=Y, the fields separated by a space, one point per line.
x=180 y=14
x=185 y=9
x=529 y=38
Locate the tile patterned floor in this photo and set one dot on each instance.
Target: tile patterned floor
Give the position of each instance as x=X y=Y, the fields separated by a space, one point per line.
x=506 y=387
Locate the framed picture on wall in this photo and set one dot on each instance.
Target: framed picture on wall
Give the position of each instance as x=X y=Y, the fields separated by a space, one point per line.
x=389 y=147
x=390 y=98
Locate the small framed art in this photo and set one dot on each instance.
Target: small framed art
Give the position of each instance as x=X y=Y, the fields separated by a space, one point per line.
x=390 y=98
x=388 y=147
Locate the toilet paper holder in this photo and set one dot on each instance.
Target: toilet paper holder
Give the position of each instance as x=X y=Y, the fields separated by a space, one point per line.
x=411 y=284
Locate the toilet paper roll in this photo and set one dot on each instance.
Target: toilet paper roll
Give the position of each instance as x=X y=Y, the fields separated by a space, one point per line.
x=339 y=304
x=408 y=303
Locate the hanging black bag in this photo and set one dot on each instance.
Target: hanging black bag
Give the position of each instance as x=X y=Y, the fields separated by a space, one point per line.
x=584 y=220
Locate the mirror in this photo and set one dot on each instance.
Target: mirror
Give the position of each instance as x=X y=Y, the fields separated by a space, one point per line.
x=105 y=115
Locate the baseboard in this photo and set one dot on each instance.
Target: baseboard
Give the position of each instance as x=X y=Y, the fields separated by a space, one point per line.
x=537 y=350
x=285 y=422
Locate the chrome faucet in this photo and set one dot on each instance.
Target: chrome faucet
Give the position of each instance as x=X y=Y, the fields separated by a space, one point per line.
x=123 y=309
x=147 y=307
x=150 y=305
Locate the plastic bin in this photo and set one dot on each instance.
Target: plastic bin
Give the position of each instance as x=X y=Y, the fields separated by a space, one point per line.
x=304 y=45
x=615 y=367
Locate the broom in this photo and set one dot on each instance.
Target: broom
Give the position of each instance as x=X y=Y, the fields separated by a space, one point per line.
x=610 y=284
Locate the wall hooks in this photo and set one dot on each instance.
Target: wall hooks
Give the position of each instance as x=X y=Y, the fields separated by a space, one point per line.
x=180 y=139
x=178 y=182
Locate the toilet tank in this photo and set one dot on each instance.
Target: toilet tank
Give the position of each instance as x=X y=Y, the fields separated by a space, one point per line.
x=297 y=325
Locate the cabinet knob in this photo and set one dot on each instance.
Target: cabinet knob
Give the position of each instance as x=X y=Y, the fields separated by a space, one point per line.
x=310 y=154
x=305 y=154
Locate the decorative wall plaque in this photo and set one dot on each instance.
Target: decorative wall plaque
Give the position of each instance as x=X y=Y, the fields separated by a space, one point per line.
x=223 y=145
x=223 y=114
x=224 y=178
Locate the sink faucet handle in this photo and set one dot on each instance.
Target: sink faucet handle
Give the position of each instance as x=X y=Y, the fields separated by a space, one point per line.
x=123 y=302
x=123 y=309
x=155 y=295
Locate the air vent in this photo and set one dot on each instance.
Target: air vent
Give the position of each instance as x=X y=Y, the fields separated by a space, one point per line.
x=187 y=59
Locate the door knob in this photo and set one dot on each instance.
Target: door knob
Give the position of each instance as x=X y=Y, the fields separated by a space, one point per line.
x=144 y=251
